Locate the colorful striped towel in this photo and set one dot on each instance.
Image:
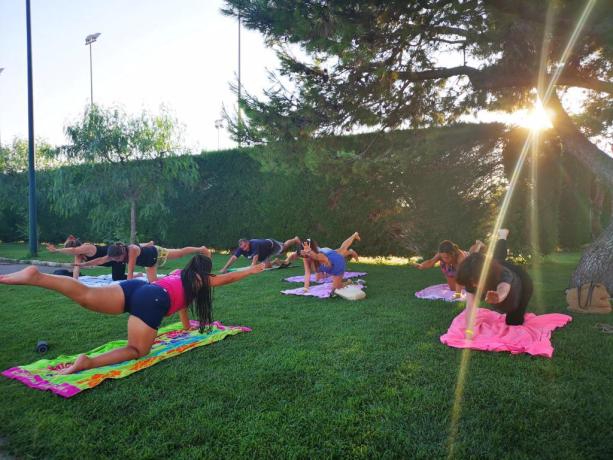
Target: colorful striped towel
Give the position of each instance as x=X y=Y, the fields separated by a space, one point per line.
x=346 y=276
x=171 y=341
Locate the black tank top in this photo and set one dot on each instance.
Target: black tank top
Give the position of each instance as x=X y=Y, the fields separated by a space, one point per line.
x=148 y=256
x=101 y=251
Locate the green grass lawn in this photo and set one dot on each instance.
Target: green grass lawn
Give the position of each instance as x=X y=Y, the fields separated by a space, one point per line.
x=315 y=378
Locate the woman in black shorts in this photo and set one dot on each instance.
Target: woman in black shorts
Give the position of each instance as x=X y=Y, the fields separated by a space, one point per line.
x=146 y=303
x=508 y=287
x=148 y=255
x=85 y=252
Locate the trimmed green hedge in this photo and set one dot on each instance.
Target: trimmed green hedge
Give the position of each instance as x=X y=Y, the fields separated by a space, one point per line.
x=404 y=191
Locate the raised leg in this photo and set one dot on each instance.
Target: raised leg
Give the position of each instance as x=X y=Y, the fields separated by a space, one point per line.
x=106 y=299
x=291 y=242
x=349 y=241
x=178 y=253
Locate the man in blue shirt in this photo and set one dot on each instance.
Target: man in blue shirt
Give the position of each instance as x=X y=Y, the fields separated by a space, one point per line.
x=259 y=250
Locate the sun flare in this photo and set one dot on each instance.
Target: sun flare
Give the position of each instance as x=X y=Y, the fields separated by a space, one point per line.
x=536 y=119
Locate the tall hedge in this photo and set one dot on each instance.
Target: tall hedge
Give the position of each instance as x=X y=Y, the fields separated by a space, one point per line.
x=404 y=191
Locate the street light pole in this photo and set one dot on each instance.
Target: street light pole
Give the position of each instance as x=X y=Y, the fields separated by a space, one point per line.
x=240 y=122
x=1 y=70
x=32 y=236
x=88 y=41
x=218 y=125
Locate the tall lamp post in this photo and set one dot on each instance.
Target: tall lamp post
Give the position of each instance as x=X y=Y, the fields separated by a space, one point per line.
x=88 y=41
x=240 y=121
x=1 y=70
x=218 y=125
x=33 y=237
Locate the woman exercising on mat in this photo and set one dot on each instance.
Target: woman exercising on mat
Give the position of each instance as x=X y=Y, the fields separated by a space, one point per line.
x=327 y=262
x=148 y=255
x=84 y=252
x=507 y=288
x=449 y=256
x=147 y=304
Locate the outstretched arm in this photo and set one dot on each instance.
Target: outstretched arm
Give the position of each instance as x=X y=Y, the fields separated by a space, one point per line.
x=229 y=263
x=428 y=263
x=497 y=296
x=72 y=251
x=228 y=278
x=95 y=262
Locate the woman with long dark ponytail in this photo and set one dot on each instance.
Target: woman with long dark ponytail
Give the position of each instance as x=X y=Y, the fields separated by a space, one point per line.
x=146 y=303
x=197 y=288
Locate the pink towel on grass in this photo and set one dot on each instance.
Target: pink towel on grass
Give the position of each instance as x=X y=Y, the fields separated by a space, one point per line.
x=439 y=292
x=346 y=275
x=321 y=291
x=492 y=334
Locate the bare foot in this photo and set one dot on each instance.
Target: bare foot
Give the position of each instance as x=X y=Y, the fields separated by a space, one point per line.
x=503 y=233
x=81 y=363
x=25 y=276
x=356 y=235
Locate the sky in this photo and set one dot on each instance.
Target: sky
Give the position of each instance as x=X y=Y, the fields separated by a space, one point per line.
x=181 y=54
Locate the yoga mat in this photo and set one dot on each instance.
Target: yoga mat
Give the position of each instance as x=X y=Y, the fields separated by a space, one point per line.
x=242 y=269
x=107 y=280
x=439 y=292
x=171 y=341
x=492 y=334
x=346 y=276
x=321 y=291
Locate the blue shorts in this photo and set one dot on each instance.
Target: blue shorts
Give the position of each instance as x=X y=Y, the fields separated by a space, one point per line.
x=338 y=263
x=149 y=302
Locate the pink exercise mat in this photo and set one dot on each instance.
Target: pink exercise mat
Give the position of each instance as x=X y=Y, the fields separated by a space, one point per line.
x=321 y=291
x=346 y=275
x=439 y=292
x=491 y=333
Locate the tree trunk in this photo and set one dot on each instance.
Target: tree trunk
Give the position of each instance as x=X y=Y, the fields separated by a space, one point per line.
x=579 y=146
x=132 y=221
x=596 y=263
x=596 y=204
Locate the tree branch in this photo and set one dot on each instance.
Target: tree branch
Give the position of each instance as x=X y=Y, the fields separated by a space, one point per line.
x=579 y=146
x=496 y=79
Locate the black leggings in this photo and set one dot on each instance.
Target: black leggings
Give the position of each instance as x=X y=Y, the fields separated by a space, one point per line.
x=118 y=270
x=521 y=288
